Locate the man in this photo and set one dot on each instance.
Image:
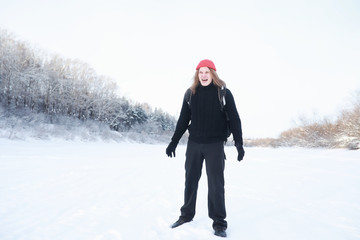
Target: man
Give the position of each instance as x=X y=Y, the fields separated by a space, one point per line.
x=209 y=116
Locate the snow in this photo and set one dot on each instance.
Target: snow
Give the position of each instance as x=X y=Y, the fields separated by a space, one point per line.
x=59 y=189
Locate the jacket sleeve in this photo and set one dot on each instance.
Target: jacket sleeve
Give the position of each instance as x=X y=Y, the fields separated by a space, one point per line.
x=234 y=119
x=183 y=121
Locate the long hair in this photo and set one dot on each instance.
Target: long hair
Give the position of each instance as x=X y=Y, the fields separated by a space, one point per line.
x=215 y=78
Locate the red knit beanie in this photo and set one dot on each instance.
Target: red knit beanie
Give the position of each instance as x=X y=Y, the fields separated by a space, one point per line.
x=206 y=63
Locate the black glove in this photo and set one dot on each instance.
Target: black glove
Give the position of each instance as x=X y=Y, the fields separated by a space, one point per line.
x=171 y=149
x=241 y=151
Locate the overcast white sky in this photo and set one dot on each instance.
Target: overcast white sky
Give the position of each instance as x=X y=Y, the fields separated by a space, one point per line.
x=281 y=59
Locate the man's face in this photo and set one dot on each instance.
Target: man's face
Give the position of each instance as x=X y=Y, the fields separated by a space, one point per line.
x=205 y=76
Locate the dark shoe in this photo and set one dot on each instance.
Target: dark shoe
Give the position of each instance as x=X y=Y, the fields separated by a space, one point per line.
x=220 y=232
x=179 y=222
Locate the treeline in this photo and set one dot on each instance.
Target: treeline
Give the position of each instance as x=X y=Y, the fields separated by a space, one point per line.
x=32 y=81
x=35 y=81
x=344 y=132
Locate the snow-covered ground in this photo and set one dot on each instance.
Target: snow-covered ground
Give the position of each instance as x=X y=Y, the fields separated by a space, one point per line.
x=97 y=190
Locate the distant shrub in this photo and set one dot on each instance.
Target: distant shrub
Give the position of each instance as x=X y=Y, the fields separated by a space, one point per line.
x=344 y=132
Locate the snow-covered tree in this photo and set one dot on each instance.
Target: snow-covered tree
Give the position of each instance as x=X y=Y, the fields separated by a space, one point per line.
x=32 y=80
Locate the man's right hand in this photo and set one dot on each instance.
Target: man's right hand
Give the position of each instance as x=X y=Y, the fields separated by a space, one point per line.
x=170 y=150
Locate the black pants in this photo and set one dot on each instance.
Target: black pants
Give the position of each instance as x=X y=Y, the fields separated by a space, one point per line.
x=214 y=156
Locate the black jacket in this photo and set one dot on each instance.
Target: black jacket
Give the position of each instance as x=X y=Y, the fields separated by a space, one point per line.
x=205 y=119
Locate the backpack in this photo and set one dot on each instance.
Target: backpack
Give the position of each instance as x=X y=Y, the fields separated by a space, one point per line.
x=221 y=95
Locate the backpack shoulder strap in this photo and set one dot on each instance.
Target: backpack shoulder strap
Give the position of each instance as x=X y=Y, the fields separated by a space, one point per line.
x=222 y=94
x=187 y=96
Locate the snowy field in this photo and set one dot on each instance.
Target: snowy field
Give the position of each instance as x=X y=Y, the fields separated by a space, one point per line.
x=53 y=190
